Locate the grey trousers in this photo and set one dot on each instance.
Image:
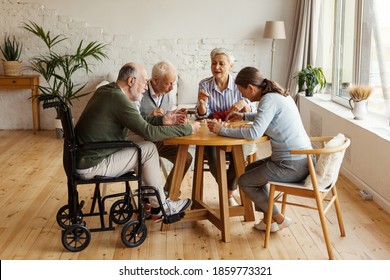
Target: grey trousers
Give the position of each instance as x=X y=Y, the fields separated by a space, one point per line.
x=169 y=152
x=125 y=160
x=254 y=182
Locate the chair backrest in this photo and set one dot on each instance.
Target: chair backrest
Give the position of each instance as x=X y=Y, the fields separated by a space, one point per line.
x=70 y=147
x=329 y=163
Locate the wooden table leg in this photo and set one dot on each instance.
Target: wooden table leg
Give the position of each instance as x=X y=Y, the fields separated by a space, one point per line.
x=197 y=182
x=177 y=177
x=35 y=105
x=239 y=164
x=178 y=172
x=223 y=195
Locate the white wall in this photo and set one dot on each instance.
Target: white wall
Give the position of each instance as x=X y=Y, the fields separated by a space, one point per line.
x=147 y=31
x=367 y=160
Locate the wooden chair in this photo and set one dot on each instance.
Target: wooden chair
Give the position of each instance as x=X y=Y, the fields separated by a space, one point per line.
x=320 y=185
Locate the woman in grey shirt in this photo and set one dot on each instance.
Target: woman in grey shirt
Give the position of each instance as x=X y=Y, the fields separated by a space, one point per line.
x=277 y=117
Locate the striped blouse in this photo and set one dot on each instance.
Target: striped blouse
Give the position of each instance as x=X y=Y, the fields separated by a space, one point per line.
x=220 y=101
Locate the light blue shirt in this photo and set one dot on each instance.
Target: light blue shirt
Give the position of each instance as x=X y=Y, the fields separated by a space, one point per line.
x=277 y=117
x=220 y=101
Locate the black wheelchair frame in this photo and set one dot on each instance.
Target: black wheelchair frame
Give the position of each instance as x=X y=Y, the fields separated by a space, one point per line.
x=76 y=236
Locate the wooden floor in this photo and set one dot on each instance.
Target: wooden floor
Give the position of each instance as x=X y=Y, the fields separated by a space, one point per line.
x=33 y=188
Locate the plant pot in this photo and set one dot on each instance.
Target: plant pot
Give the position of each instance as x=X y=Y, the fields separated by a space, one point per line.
x=359 y=109
x=308 y=92
x=12 y=68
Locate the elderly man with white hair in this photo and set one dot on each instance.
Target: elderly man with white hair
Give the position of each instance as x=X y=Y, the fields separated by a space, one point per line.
x=158 y=100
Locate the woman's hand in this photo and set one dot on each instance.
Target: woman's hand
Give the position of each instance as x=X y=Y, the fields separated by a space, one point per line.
x=234 y=117
x=238 y=106
x=202 y=99
x=203 y=96
x=215 y=126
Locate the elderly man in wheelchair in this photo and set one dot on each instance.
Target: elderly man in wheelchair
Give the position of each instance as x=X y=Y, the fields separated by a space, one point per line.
x=96 y=151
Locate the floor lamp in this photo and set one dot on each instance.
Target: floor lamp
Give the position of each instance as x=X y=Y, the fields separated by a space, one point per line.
x=274 y=30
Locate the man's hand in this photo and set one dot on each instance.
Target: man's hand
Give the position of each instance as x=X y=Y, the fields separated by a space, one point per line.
x=195 y=127
x=173 y=118
x=157 y=112
x=215 y=126
x=182 y=111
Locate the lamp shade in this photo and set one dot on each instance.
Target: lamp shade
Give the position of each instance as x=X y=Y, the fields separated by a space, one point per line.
x=274 y=30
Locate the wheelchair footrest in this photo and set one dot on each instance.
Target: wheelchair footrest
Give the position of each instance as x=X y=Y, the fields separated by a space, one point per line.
x=174 y=218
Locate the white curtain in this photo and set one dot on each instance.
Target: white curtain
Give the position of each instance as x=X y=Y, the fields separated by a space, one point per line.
x=306 y=36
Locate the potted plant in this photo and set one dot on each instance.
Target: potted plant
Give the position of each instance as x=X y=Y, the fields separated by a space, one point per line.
x=59 y=69
x=312 y=78
x=11 y=50
x=359 y=100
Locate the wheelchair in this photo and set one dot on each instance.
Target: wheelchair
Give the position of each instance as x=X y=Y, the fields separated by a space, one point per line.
x=76 y=236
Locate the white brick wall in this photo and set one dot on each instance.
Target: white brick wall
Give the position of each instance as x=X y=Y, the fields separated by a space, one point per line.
x=191 y=56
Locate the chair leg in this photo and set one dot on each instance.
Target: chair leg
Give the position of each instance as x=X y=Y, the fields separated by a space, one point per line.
x=284 y=200
x=324 y=227
x=338 y=211
x=251 y=158
x=268 y=218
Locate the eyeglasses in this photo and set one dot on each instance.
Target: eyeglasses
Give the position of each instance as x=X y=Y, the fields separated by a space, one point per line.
x=144 y=83
x=170 y=83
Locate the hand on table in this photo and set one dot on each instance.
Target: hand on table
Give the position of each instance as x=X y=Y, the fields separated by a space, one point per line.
x=234 y=116
x=195 y=127
x=215 y=126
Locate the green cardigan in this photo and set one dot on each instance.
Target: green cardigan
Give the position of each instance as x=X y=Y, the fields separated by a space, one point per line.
x=108 y=116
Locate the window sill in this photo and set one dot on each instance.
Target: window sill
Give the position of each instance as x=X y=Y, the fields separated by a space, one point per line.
x=376 y=124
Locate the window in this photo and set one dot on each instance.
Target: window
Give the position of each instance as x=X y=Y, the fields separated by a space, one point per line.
x=361 y=53
x=375 y=54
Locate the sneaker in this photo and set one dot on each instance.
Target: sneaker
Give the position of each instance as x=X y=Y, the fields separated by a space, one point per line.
x=262 y=226
x=167 y=194
x=172 y=207
x=232 y=201
x=286 y=223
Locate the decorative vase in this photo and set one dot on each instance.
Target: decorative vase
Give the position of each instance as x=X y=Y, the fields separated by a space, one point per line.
x=12 y=68
x=359 y=108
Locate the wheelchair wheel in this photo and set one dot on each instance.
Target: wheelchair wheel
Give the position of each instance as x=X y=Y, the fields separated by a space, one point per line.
x=121 y=211
x=134 y=233
x=63 y=217
x=76 y=238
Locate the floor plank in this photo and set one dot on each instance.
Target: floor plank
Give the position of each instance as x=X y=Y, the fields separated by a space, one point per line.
x=33 y=188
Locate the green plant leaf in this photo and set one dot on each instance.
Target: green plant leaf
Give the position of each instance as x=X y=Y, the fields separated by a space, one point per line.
x=59 y=69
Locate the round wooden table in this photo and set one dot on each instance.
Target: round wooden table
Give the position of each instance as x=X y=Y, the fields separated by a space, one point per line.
x=200 y=210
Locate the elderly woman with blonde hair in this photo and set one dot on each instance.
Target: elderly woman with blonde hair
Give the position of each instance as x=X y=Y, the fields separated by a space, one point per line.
x=218 y=96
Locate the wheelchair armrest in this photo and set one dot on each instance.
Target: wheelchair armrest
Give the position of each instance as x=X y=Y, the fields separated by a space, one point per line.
x=108 y=145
